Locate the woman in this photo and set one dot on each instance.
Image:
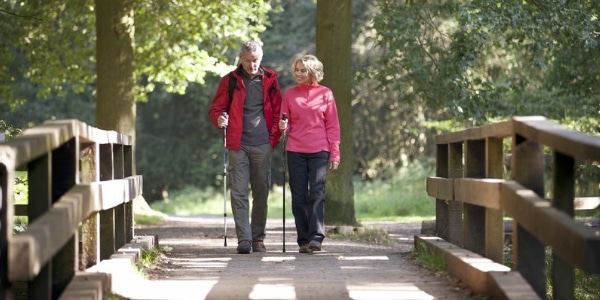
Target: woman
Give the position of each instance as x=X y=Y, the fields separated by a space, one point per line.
x=313 y=146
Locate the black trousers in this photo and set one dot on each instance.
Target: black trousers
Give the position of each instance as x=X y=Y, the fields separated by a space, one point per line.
x=307 y=172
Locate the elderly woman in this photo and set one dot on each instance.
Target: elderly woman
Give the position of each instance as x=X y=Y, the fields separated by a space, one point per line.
x=313 y=147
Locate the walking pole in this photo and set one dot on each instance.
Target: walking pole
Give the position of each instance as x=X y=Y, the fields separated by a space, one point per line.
x=284 y=117
x=225 y=183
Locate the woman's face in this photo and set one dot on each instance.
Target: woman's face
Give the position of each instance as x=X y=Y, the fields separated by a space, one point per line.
x=301 y=73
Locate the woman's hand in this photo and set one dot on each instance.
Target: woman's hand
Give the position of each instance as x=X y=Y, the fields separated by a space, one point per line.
x=333 y=165
x=283 y=124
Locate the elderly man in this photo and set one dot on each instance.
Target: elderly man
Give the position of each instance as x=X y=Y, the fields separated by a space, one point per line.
x=250 y=112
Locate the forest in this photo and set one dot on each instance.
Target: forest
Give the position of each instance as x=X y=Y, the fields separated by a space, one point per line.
x=419 y=68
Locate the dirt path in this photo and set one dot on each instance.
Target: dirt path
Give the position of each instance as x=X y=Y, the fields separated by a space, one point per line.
x=198 y=266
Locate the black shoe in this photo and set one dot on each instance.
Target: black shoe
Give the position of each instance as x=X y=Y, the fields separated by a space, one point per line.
x=314 y=246
x=244 y=247
x=304 y=249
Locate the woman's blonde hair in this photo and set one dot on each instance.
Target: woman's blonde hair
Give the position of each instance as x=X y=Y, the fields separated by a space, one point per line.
x=312 y=65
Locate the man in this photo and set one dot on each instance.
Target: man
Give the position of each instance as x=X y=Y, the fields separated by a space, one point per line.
x=251 y=117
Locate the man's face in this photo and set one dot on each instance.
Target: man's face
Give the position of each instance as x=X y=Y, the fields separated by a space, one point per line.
x=251 y=61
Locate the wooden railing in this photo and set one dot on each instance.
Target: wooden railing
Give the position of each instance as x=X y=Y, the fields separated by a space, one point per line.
x=81 y=186
x=472 y=198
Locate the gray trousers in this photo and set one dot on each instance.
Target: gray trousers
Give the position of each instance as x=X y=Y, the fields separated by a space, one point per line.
x=251 y=164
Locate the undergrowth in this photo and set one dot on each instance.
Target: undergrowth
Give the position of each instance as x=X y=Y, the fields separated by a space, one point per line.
x=364 y=234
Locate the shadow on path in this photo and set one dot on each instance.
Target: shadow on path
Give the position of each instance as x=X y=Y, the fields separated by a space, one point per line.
x=199 y=266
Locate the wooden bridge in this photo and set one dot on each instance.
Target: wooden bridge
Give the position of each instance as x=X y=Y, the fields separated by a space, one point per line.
x=82 y=183
x=472 y=198
x=81 y=186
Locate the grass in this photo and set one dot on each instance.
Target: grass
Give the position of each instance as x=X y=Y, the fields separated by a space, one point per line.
x=401 y=199
x=429 y=258
x=363 y=234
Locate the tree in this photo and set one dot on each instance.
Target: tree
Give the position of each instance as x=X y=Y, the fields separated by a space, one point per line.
x=115 y=68
x=334 y=41
x=175 y=43
x=482 y=60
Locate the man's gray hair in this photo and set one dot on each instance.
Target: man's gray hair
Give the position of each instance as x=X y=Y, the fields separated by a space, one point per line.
x=251 y=46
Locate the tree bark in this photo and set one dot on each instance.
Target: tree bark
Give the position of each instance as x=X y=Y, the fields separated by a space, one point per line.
x=115 y=90
x=334 y=43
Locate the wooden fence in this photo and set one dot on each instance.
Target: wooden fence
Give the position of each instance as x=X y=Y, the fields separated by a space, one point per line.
x=81 y=184
x=472 y=198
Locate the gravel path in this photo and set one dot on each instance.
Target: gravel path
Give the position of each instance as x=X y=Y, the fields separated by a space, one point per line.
x=199 y=266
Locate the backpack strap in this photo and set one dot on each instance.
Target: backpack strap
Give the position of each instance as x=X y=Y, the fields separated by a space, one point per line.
x=232 y=86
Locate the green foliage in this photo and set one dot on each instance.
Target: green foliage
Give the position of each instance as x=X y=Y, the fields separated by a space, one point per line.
x=587 y=286
x=52 y=44
x=365 y=234
x=481 y=60
x=429 y=258
x=150 y=257
x=401 y=198
x=181 y=42
x=403 y=194
x=141 y=219
x=8 y=131
x=191 y=201
x=20 y=224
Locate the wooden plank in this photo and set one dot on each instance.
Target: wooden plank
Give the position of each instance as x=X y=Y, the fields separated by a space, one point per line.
x=39 y=140
x=570 y=240
x=498 y=130
x=115 y=192
x=510 y=285
x=440 y=188
x=88 y=285
x=469 y=267
x=573 y=143
x=44 y=237
x=29 y=251
x=482 y=192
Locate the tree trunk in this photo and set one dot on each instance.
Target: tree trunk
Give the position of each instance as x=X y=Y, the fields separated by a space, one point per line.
x=334 y=41
x=115 y=91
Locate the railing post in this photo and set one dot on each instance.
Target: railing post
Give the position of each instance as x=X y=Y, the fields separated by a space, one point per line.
x=90 y=229
x=494 y=218
x=441 y=205
x=527 y=167
x=39 y=174
x=65 y=165
x=563 y=177
x=474 y=215
x=107 y=217
x=128 y=170
x=455 y=208
x=6 y=227
x=119 y=211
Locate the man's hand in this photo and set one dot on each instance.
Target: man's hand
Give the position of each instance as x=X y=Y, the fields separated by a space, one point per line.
x=223 y=120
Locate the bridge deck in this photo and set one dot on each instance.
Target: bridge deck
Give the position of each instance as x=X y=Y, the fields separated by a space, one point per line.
x=199 y=265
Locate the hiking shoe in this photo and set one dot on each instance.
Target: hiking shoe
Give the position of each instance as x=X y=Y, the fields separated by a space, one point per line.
x=304 y=249
x=244 y=247
x=258 y=246
x=314 y=246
